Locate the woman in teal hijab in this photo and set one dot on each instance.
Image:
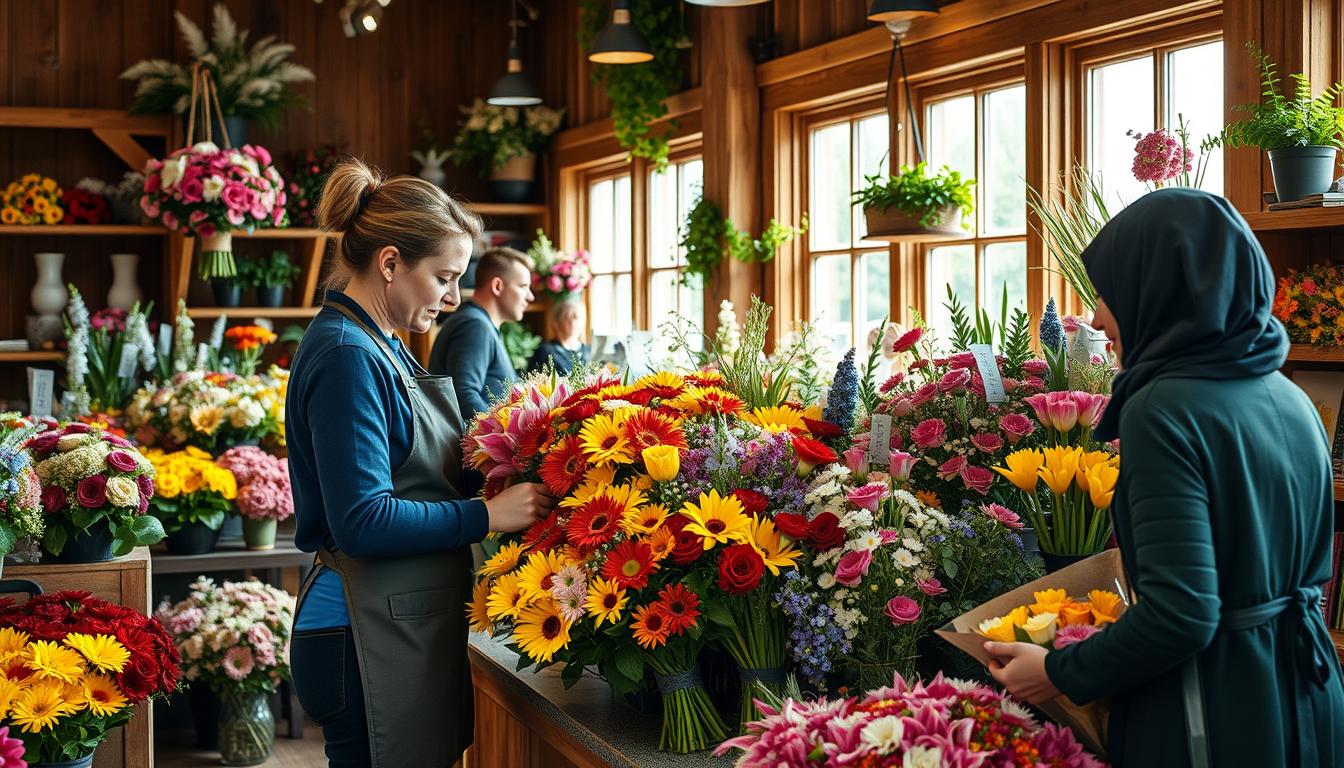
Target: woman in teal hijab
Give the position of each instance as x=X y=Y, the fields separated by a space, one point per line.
x=1224 y=510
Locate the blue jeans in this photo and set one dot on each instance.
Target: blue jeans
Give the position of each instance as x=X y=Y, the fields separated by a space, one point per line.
x=326 y=678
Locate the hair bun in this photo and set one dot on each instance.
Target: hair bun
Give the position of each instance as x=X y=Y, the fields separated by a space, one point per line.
x=346 y=194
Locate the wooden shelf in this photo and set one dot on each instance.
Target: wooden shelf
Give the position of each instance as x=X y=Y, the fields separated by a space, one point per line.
x=232 y=556
x=1339 y=489
x=1338 y=637
x=509 y=209
x=82 y=229
x=1296 y=218
x=276 y=312
x=31 y=356
x=290 y=233
x=1310 y=353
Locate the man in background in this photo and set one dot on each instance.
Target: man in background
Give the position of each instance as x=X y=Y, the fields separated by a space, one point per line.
x=469 y=346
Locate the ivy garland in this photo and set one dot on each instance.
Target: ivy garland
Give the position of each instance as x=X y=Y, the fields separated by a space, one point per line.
x=637 y=91
x=708 y=235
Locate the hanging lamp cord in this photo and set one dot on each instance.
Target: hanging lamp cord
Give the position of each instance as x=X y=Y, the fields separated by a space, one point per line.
x=897 y=50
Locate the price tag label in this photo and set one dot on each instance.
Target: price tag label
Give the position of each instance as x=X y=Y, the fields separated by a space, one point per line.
x=127 y=365
x=165 y=339
x=40 y=386
x=1087 y=342
x=989 y=372
x=879 y=439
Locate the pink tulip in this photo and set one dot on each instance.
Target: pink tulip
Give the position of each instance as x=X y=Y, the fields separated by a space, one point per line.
x=1062 y=410
x=1038 y=404
x=856 y=459
x=1090 y=407
x=900 y=465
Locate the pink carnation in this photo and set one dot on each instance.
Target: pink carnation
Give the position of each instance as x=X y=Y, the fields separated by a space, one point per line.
x=1003 y=515
x=1074 y=633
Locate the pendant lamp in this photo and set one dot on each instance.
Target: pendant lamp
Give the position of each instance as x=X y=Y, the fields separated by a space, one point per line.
x=619 y=42
x=514 y=88
x=900 y=10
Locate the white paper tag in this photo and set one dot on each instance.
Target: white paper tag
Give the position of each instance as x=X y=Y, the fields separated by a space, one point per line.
x=127 y=366
x=879 y=439
x=40 y=385
x=165 y=339
x=1087 y=342
x=989 y=372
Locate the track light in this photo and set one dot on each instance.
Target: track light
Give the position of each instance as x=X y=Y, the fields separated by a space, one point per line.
x=362 y=18
x=619 y=42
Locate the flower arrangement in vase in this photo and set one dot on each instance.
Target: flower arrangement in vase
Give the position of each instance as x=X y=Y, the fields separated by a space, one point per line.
x=75 y=666
x=193 y=495
x=100 y=373
x=248 y=342
x=265 y=496
x=504 y=142
x=33 y=199
x=235 y=639
x=558 y=274
x=305 y=175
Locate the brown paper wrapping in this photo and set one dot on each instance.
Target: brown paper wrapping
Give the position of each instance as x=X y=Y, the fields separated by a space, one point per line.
x=1101 y=571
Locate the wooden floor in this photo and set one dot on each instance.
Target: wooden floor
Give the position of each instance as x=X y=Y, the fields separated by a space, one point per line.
x=177 y=750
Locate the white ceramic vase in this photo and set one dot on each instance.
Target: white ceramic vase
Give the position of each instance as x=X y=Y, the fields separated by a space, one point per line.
x=125 y=290
x=49 y=295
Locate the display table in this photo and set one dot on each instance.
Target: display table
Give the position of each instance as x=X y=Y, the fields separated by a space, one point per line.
x=124 y=581
x=528 y=719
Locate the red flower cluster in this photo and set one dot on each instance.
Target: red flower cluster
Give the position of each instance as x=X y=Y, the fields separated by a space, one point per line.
x=154 y=664
x=822 y=533
x=85 y=207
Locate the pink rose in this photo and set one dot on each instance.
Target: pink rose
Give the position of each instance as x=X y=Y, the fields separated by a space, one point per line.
x=952 y=468
x=1016 y=426
x=169 y=220
x=977 y=479
x=196 y=217
x=121 y=461
x=83 y=429
x=44 y=442
x=889 y=535
x=900 y=465
x=92 y=492
x=955 y=381
x=1035 y=367
x=237 y=197
x=1003 y=515
x=853 y=566
x=234 y=217
x=150 y=208
x=987 y=441
x=555 y=284
x=924 y=394
x=902 y=610
x=856 y=459
x=868 y=496
x=259 y=212
x=146 y=488
x=929 y=433
x=932 y=587
x=961 y=360
x=192 y=189
x=1090 y=407
x=152 y=182
x=902 y=407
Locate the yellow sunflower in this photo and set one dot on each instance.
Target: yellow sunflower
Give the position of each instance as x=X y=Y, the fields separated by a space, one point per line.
x=534 y=578
x=48 y=660
x=40 y=707
x=644 y=519
x=541 y=630
x=604 y=442
x=719 y=520
x=53 y=215
x=506 y=598
x=767 y=540
x=102 y=696
x=606 y=600
x=102 y=651
x=478 y=610
x=777 y=419
x=503 y=561
x=9 y=215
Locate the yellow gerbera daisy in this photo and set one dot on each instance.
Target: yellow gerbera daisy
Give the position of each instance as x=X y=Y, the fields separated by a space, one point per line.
x=48 y=660
x=506 y=598
x=9 y=693
x=644 y=519
x=534 y=578
x=503 y=561
x=719 y=520
x=39 y=707
x=478 y=610
x=12 y=640
x=606 y=600
x=594 y=480
x=541 y=630
x=776 y=419
x=604 y=442
x=102 y=651
x=767 y=540
x=102 y=696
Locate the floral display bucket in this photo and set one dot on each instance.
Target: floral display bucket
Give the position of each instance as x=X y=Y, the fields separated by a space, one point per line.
x=259 y=534
x=79 y=762
x=192 y=539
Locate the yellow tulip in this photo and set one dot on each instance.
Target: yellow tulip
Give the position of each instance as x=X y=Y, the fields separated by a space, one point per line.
x=662 y=461
x=998 y=629
x=1061 y=464
x=1041 y=628
x=1022 y=468
x=1101 y=484
x=1086 y=462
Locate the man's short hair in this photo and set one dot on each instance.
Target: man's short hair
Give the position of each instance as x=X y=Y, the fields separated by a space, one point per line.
x=496 y=262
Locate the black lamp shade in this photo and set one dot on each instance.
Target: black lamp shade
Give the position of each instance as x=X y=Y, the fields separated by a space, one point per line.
x=619 y=42
x=901 y=10
x=726 y=3
x=514 y=89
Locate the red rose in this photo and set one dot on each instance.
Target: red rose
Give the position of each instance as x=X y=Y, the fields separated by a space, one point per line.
x=53 y=499
x=791 y=525
x=822 y=429
x=812 y=453
x=824 y=532
x=92 y=492
x=44 y=443
x=753 y=502
x=740 y=569
x=689 y=546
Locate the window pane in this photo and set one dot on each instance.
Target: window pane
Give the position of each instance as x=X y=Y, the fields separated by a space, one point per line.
x=663 y=219
x=662 y=297
x=1121 y=100
x=1195 y=92
x=874 y=290
x=952 y=265
x=623 y=313
x=829 y=182
x=1002 y=190
x=951 y=135
x=832 y=305
x=621 y=214
x=600 y=225
x=870 y=147
x=692 y=304
x=602 y=308
x=1005 y=264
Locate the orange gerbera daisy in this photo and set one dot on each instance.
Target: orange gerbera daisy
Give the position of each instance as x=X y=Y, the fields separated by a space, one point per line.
x=562 y=469
x=705 y=378
x=661 y=543
x=646 y=429
x=681 y=605
x=664 y=385
x=593 y=524
x=651 y=626
x=629 y=564
x=720 y=402
x=544 y=535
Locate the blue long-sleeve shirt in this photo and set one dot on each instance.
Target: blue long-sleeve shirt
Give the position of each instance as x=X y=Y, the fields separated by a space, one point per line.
x=470 y=349
x=348 y=424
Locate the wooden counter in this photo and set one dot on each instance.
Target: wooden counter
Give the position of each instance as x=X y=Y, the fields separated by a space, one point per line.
x=124 y=581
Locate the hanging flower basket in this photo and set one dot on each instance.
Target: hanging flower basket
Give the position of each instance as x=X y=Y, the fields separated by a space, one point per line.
x=895 y=224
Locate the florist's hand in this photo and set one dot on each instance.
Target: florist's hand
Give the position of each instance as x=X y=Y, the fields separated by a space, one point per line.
x=1020 y=667
x=518 y=506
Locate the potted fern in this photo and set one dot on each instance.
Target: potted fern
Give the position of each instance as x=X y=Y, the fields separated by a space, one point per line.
x=1301 y=134
x=916 y=205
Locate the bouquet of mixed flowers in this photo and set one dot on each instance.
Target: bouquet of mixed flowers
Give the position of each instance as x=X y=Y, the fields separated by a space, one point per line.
x=107 y=352
x=33 y=199
x=494 y=135
x=248 y=341
x=264 y=491
x=1055 y=620
x=234 y=637
x=83 y=206
x=206 y=409
x=190 y=488
x=305 y=175
x=92 y=478
x=558 y=274
x=20 y=489
x=71 y=668
x=1310 y=303
x=207 y=192
x=946 y=722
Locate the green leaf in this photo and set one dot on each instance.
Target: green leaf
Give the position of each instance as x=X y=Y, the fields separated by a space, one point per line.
x=629 y=662
x=147 y=530
x=83 y=518
x=7 y=538
x=719 y=614
x=1022 y=636
x=571 y=674
x=123 y=541
x=53 y=540
x=213 y=520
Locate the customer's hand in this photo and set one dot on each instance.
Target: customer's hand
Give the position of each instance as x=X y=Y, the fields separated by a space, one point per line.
x=518 y=506
x=1020 y=667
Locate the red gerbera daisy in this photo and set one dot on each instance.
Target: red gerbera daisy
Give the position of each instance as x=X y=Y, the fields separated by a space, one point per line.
x=530 y=442
x=705 y=378
x=639 y=397
x=594 y=523
x=581 y=410
x=597 y=386
x=629 y=564
x=721 y=403
x=646 y=429
x=544 y=535
x=681 y=605
x=563 y=468
x=821 y=429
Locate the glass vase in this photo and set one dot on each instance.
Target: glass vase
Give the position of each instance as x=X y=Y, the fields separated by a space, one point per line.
x=246 y=728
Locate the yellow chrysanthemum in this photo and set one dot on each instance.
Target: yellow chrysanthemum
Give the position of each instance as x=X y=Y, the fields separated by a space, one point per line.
x=645 y=519
x=102 y=696
x=606 y=600
x=541 y=630
x=777 y=419
x=206 y=418
x=39 y=707
x=774 y=550
x=1023 y=468
x=12 y=640
x=506 y=598
x=534 y=578
x=1049 y=601
x=101 y=651
x=168 y=485
x=49 y=660
x=9 y=693
x=604 y=442
x=503 y=561
x=719 y=520
x=478 y=610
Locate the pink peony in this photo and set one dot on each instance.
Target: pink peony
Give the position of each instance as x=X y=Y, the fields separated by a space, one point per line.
x=929 y=433
x=902 y=610
x=952 y=468
x=977 y=479
x=900 y=464
x=987 y=442
x=1074 y=633
x=1002 y=514
x=92 y=492
x=238 y=197
x=238 y=663
x=856 y=459
x=868 y=496
x=932 y=587
x=853 y=566
x=955 y=381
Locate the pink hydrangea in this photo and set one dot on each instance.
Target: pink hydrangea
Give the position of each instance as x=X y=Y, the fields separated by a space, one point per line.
x=1159 y=156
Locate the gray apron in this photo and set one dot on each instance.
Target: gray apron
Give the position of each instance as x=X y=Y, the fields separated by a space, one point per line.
x=408 y=614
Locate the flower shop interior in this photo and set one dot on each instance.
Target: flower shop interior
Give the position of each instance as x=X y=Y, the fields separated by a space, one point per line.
x=791 y=231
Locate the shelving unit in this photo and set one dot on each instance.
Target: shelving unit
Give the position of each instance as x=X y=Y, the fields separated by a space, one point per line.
x=1297 y=218
x=83 y=230
x=1310 y=353
x=33 y=356
x=509 y=209
x=278 y=313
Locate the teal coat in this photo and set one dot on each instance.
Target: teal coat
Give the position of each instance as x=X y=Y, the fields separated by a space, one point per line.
x=1224 y=503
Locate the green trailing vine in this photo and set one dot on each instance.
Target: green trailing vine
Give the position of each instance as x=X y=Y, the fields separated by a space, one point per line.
x=638 y=91
x=707 y=235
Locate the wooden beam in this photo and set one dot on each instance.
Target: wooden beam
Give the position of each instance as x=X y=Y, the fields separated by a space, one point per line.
x=1242 y=168
x=107 y=119
x=125 y=147
x=311 y=270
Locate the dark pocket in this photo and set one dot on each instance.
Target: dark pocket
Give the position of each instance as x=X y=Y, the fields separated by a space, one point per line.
x=424 y=603
x=318 y=665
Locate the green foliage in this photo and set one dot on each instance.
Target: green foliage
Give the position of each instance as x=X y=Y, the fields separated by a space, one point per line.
x=1017 y=340
x=1280 y=121
x=492 y=136
x=914 y=192
x=707 y=235
x=208 y=509
x=868 y=395
x=520 y=343
x=964 y=334
x=275 y=269
x=638 y=91
x=1013 y=335
x=1071 y=215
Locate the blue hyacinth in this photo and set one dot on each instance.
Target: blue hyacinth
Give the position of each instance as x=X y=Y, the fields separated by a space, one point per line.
x=844 y=395
x=1052 y=329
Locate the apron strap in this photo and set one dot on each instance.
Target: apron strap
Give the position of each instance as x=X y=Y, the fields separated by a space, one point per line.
x=380 y=340
x=1197 y=735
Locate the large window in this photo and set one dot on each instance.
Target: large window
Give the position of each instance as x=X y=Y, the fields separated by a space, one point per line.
x=981 y=133
x=1141 y=90
x=610 y=297
x=850 y=278
x=671 y=196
